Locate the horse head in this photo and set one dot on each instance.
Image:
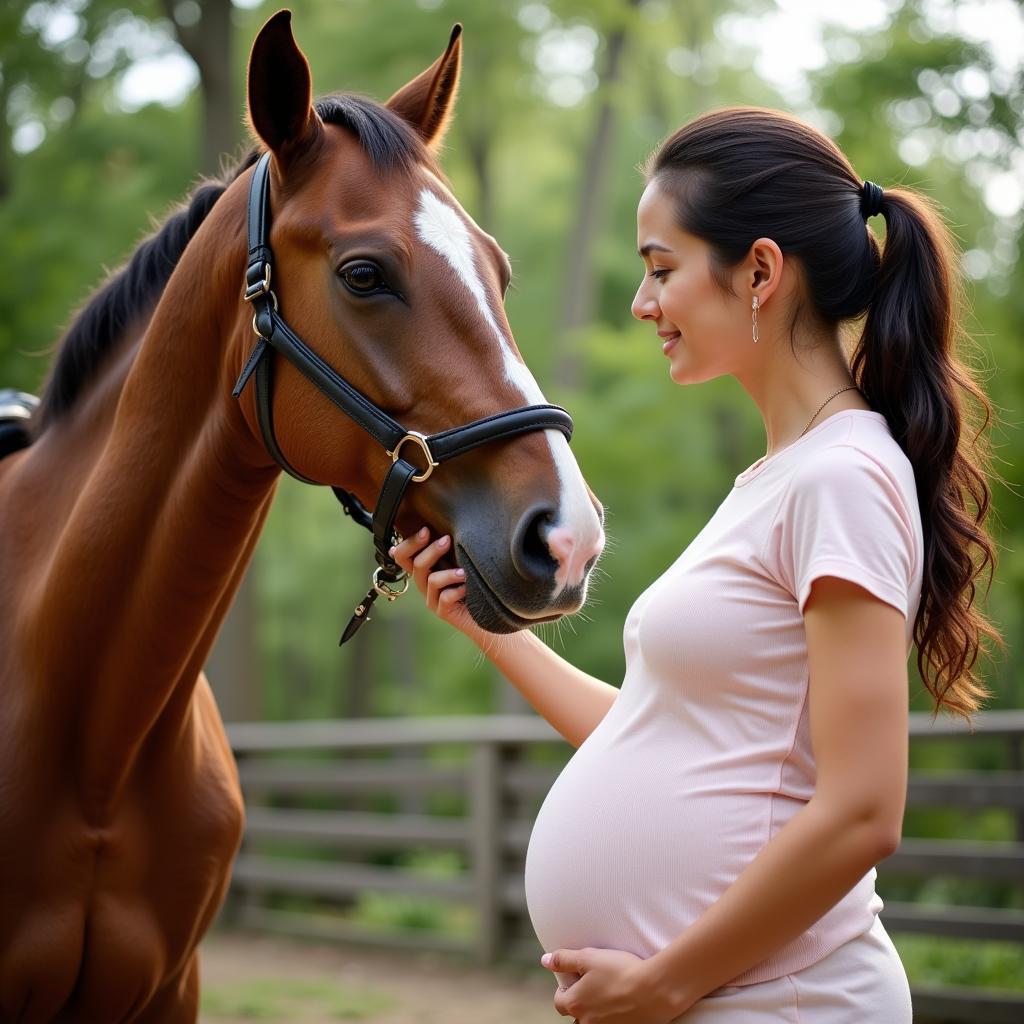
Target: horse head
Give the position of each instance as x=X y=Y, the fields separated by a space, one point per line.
x=390 y=282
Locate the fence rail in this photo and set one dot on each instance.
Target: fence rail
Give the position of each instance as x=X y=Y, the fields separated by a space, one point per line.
x=332 y=806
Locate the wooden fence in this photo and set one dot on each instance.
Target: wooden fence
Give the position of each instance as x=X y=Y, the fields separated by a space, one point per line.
x=334 y=808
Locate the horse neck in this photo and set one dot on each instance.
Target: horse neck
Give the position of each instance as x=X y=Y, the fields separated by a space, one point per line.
x=167 y=517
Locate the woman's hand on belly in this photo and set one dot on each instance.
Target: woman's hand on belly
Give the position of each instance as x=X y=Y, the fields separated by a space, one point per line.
x=614 y=987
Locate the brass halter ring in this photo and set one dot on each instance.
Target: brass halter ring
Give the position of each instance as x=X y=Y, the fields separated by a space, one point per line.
x=384 y=590
x=421 y=440
x=255 y=329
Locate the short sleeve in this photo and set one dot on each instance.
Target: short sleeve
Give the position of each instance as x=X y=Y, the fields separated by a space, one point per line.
x=843 y=515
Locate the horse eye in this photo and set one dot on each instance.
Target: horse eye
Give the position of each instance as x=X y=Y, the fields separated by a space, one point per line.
x=362 y=278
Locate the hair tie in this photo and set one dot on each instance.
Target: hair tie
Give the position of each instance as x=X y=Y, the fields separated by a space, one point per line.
x=871 y=198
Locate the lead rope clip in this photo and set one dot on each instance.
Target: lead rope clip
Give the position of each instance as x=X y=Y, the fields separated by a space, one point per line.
x=384 y=580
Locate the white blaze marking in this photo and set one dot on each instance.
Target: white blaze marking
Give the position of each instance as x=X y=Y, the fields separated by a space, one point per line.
x=444 y=229
x=441 y=227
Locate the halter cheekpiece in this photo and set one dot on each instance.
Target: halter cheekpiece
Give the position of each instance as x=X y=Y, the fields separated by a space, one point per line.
x=871 y=198
x=389 y=579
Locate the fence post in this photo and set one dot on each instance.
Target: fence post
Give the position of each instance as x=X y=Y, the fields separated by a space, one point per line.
x=485 y=790
x=232 y=911
x=1016 y=744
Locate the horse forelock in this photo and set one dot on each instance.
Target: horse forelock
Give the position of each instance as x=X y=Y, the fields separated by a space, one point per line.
x=389 y=141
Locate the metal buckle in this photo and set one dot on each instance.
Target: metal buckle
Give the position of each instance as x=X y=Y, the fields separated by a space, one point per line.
x=418 y=439
x=14 y=412
x=384 y=590
x=254 y=291
x=255 y=329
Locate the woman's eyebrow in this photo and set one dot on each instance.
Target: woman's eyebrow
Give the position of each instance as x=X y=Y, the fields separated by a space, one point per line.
x=645 y=250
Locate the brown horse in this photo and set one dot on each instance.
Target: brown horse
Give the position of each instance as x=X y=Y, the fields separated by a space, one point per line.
x=126 y=524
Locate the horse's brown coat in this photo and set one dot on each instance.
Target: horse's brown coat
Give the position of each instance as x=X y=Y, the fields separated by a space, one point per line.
x=125 y=529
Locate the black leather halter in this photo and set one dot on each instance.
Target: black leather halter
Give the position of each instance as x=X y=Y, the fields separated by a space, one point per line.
x=389 y=579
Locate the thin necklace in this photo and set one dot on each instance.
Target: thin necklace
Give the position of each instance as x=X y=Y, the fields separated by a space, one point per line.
x=823 y=404
x=850 y=387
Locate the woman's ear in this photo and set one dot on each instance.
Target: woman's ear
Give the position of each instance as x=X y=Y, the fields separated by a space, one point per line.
x=280 y=98
x=762 y=269
x=427 y=101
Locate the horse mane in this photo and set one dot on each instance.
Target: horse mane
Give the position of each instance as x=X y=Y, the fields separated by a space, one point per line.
x=135 y=287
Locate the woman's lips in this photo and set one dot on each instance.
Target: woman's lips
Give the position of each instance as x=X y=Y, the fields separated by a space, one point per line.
x=669 y=341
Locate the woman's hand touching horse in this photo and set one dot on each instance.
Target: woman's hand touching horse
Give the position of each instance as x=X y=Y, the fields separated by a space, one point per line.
x=444 y=589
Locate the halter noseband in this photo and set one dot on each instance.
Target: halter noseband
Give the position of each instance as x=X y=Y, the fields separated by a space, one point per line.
x=389 y=579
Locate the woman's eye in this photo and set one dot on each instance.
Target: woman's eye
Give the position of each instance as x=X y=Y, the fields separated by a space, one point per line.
x=362 y=278
x=659 y=274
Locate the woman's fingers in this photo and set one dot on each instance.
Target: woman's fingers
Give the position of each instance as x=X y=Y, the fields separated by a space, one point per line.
x=404 y=552
x=437 y=595
x=444 y=589
x=418 y=558
x=425 y=560
x=451 y=608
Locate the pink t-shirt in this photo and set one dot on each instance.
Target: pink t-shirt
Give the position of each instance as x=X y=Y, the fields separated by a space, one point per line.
x=706 y=752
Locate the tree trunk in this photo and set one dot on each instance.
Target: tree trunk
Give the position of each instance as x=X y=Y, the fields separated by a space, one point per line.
x=698 y=26
x=578 y=301
x=208 y=43
x=478 y=145
x=5 y=144
x=232 y=666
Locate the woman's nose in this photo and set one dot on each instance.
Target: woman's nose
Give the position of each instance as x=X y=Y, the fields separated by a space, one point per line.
x=644 y=305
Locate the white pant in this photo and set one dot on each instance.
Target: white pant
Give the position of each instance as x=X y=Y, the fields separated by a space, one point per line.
x=861 y=982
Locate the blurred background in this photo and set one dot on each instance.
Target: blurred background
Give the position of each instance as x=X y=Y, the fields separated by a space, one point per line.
x=112 y=111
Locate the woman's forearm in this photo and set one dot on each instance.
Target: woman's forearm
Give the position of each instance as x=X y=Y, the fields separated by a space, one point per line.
x=803 y=871
x=571 y=700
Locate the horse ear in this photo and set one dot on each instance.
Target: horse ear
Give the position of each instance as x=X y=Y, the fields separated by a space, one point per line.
x=280 y=89
x=427 y=101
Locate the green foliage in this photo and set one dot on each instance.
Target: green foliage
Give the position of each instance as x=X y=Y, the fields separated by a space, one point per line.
x=80 y=205
x=399 y=912
x=395 y=912
x=995 y=965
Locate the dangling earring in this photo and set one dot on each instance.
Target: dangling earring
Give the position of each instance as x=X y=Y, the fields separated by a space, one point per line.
x=753 y=318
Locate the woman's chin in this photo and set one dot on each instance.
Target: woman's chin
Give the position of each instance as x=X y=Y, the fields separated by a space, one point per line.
x=678 y=372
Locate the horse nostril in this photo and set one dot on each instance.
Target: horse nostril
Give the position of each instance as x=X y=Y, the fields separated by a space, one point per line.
x=530 y=554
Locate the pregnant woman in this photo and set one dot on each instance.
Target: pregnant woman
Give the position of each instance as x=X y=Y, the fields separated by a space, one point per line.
x=708 y=854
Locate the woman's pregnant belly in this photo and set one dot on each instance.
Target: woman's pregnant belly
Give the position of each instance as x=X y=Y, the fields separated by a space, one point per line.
x=632 y=844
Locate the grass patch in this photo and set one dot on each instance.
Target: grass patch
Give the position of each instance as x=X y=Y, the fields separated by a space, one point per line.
x=290 y=999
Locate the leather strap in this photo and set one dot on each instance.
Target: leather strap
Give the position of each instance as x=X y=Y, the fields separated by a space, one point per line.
x=258 y=225
x=353 y=507
x=377 y=423
x=391 y=494
x=499 y=427
x=265 y=414
x=388 y=432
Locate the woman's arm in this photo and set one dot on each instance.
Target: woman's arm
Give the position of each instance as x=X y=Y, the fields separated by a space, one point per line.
x=858 y=713
x=572 y=701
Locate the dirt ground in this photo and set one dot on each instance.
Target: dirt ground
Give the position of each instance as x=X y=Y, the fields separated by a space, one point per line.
x=274 y=980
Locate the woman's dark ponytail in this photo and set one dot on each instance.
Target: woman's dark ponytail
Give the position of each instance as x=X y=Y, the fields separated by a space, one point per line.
x=907 y=367
x=742 y=173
